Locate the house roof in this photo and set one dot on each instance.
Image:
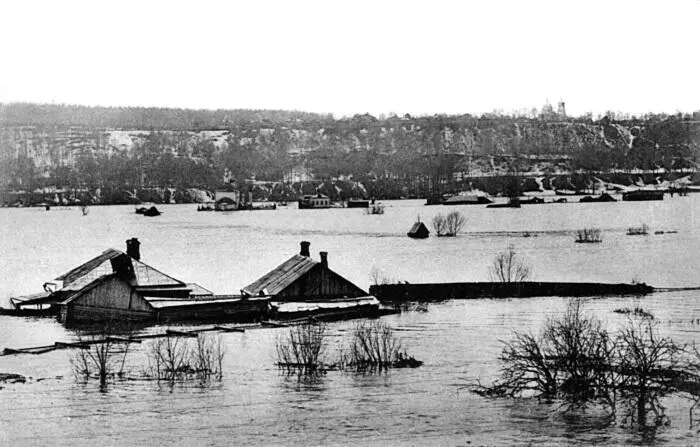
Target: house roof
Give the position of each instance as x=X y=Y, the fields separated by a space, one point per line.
x=148 y=276
x=90 y=267
x=419 y=227
x=107 y=263
x=280 y=277
x=198 y=290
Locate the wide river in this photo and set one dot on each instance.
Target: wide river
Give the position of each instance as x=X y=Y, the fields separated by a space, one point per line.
x=459 y=341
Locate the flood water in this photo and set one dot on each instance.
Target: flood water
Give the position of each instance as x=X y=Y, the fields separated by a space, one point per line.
x=458 y=340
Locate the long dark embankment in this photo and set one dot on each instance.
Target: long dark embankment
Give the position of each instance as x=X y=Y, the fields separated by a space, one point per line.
x=472 y=290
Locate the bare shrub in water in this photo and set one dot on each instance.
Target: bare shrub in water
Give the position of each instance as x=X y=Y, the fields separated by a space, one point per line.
x=377 y=276
x=450 y=225
x=638 y=231
x=454 y=222
x=178 y=358
x=103 y=354
x=508 y=266
x=167 y=357
x=303 y=348
x=375 y=208
x=582 y=351
x=577 y=360
x=439 y=224
x=207 y=356
x=589 y=236
x=652 y=366
x=374 y=346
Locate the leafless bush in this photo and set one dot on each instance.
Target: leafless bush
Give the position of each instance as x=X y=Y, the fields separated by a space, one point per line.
x=450 y=225
x=168 y=357
x=374 y=346
x=439 y=224
x=651 y=366
x=102 y=354
x=526 y=369
x=576 y=359
x=569 y=358
x=378 y=277
x=303 y=348
x=508 y=267
x=583 y=351
x=589 y=236
x=644 y=355
x=454 y=222
x=207 y=356
x=638 y=231
x=177 y=358
x=375 y=208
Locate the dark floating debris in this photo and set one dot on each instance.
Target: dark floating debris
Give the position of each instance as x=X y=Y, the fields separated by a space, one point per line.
x=637 y=312
x=12 y=378
x=605 y=197
x=152 y=211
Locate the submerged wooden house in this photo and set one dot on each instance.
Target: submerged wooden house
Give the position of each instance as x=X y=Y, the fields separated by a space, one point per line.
x=300 y=278
x=302 y=287
x=117 y=285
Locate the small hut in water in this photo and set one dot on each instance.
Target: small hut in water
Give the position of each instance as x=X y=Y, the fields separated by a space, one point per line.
x=419 y=231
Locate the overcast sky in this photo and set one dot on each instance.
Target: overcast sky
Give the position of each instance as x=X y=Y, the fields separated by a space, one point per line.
x=347 y=57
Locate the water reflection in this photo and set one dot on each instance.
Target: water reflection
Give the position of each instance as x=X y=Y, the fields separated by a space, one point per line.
x=302 y=381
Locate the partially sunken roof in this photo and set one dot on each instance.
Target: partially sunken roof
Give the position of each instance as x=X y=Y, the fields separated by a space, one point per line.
x=107 y=264
x=419 y=228
x=281 y=277
x=148 y=276
x=198 y=290
x=89 y=267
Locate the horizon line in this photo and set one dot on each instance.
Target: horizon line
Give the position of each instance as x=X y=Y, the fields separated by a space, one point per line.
x=521 y=112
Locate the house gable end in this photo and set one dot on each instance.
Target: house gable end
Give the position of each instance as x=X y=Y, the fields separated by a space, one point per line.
x=320 y=283
x=109 y=292
x=281 y=277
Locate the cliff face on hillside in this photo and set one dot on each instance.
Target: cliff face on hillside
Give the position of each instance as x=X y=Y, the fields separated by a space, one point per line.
x=42 y=150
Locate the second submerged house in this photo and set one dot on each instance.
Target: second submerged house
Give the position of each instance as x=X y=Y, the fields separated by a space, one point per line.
x=300 y=278
x=301 y=287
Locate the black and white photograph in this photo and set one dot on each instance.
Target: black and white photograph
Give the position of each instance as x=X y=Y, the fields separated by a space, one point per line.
x=349 y=223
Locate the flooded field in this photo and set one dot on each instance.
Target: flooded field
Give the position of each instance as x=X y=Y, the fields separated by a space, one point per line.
x=458 y=340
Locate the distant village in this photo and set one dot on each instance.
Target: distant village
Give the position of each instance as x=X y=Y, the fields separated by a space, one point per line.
x=101 y=157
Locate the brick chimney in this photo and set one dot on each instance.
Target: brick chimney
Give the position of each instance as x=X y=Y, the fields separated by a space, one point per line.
x=305 y=249
x=324 y=258
x=132 y=248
